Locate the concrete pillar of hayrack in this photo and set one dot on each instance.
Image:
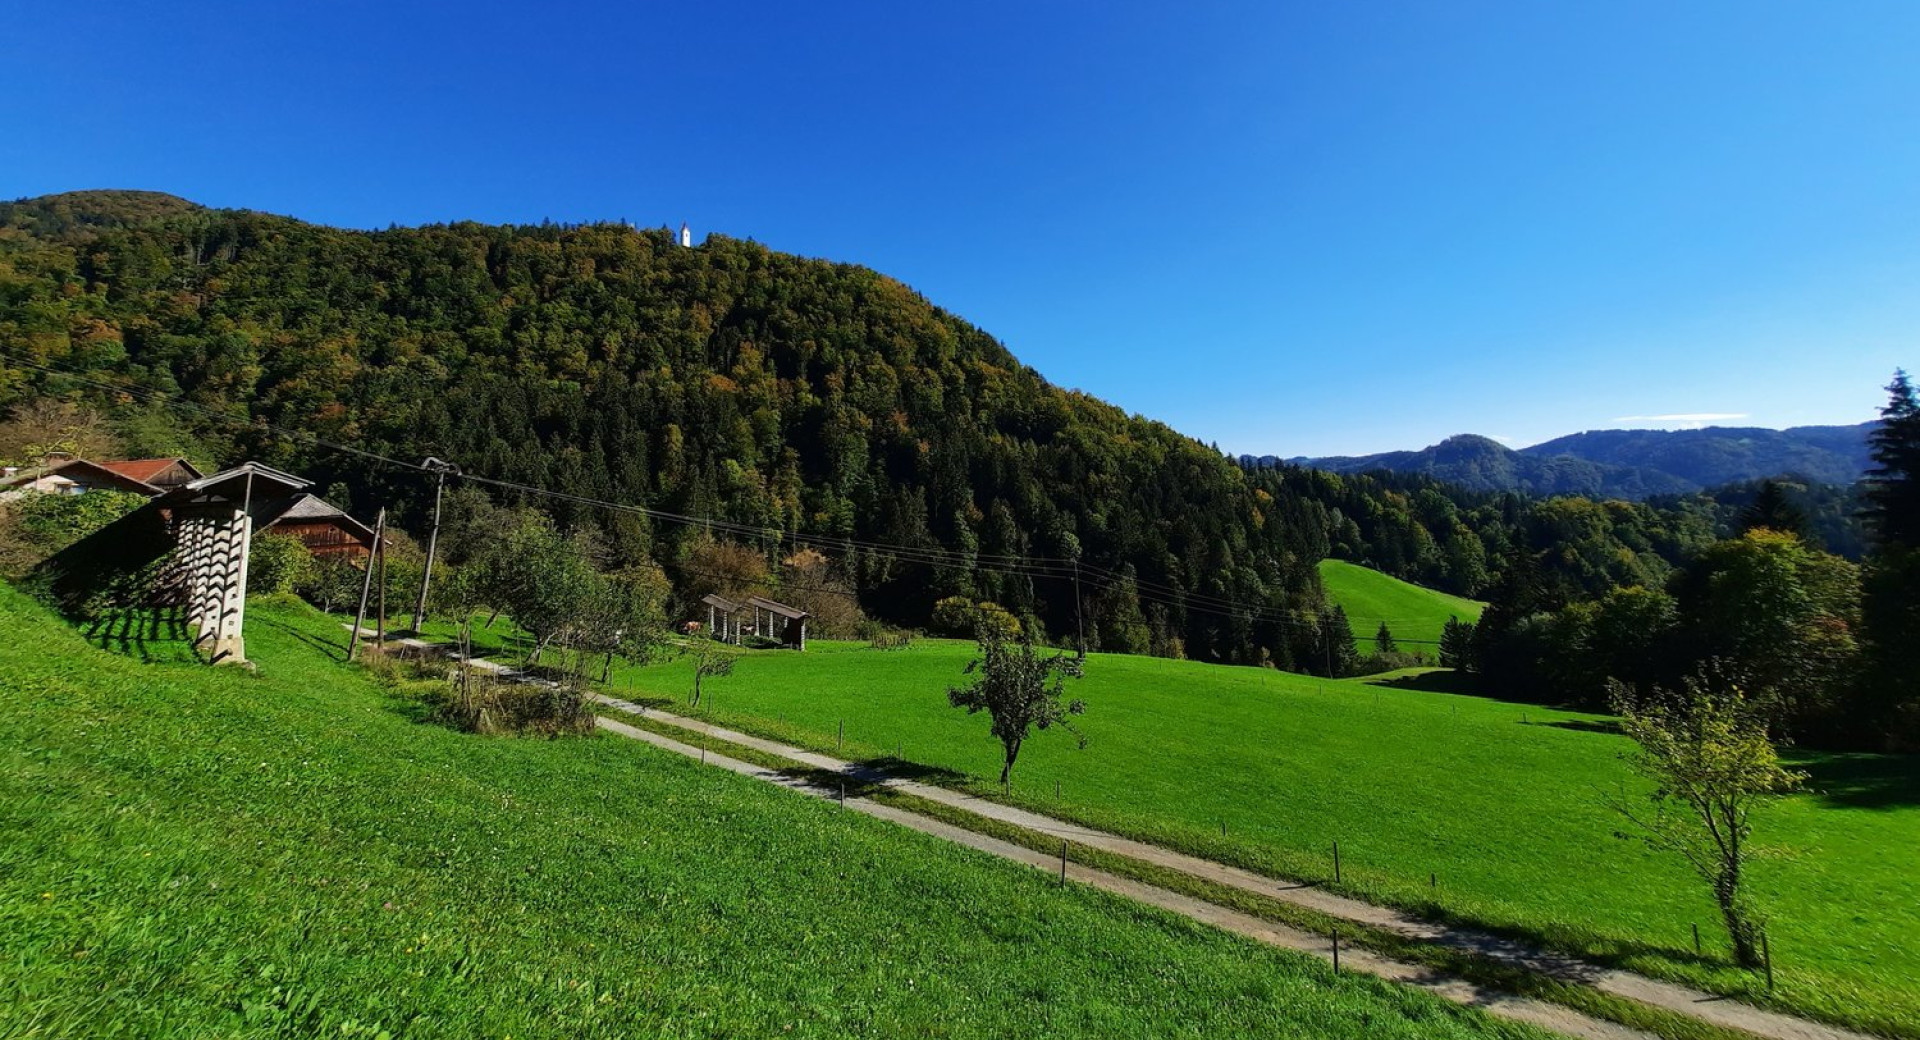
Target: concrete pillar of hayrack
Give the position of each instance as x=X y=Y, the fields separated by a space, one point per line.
x=803 y=634
x=229 y=639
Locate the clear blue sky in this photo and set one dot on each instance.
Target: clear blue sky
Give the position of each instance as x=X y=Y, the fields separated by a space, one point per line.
x=1304 y=228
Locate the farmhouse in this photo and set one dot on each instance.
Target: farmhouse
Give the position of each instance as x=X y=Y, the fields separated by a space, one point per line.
x=326 y=530
x=149 y=477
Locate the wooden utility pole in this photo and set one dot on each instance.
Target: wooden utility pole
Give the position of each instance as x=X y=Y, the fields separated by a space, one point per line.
x=380 y=561
x=442 y=468
x=1079 y=628
x=366 y=583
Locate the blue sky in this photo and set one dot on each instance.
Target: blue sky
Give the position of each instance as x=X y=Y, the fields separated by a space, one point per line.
x=1300 y=228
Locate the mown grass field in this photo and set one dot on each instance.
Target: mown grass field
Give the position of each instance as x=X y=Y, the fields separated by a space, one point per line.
x=1500 y=804
x=292 y=853
x=1410 y=611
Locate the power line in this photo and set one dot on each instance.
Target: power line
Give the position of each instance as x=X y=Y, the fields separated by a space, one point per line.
x=1146 y=591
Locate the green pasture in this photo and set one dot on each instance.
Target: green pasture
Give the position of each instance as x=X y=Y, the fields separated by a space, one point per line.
x=294 y=852
x=1458 y=806
x=1410 y=611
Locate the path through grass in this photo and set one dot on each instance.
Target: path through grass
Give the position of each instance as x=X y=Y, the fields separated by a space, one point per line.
x=1482 y=810
x=195 y=852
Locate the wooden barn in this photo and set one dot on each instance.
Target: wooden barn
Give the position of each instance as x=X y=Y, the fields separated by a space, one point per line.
x=326 y=530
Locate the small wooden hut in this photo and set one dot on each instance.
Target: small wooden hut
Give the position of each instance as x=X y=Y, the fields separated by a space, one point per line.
x=723 y=618
x=779 y=622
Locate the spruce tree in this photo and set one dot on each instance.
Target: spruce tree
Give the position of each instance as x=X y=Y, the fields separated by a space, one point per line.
x=1890 y=601
x=1383 y=640
x=1773 y=510
x=1893 y=484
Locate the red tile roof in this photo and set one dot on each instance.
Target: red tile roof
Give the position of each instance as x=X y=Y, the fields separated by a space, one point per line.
x=144 y=469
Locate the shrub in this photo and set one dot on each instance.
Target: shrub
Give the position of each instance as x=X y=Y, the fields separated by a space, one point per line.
x=278 y=563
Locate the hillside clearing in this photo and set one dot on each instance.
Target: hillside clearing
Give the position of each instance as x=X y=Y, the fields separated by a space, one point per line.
x=1415 y=615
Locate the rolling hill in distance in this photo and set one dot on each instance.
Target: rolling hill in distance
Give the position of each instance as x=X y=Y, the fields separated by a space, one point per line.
x=1632 y=464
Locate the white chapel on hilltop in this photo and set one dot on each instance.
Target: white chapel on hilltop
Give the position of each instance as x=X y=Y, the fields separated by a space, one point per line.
x=686 y=235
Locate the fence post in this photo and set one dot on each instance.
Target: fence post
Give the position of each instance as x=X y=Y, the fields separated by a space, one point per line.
x=1336 y=862
x=841 y=741
x=1063 y=861
x=1766 y=953
x=1696 y=937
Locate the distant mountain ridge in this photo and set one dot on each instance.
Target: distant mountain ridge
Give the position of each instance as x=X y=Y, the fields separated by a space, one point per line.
x=1631 y=464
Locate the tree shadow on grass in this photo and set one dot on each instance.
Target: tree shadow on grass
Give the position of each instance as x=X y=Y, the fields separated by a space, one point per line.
x=335 y=650
x=1442 y=681
x=1607 y=726
x=891 y=767
x=1861 y=781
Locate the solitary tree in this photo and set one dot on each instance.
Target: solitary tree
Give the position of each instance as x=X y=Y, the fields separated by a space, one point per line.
x=1890 y=607
x=1706 y=750
x=711 y=660
x=1020 y=689
x=1893 y=484
x=1383 y=640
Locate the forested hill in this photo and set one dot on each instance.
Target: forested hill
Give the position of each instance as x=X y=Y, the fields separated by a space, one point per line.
x=1631 y=464
x=726 y=380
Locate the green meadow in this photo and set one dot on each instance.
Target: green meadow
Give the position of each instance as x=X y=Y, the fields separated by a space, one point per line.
x=1410 y=611
x=1457 y=806
x=293 y=852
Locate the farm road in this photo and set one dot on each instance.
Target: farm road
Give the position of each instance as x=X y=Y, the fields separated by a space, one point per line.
x=1521 y=1009
x=1706 y=1007
x=1684 y=1000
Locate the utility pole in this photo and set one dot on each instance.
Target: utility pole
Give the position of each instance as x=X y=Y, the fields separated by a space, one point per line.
x=1079 y=627
x=442 y=468
x=366 y=583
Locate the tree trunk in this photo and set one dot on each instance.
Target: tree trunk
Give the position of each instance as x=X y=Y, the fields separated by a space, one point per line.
x=1742 y=929
x=1006 y=771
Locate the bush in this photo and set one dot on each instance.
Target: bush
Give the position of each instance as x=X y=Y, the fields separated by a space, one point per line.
x=959 y=616
x=277 y=564
x=34 y=527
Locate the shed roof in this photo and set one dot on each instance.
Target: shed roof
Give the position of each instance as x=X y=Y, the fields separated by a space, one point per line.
x=720 y=603
x=264 y=483
x=790 y=613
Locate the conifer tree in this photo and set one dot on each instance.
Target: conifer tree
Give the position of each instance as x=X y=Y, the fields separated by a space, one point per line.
x=1773 y=510
x=1890 y=604
x=1383 y=640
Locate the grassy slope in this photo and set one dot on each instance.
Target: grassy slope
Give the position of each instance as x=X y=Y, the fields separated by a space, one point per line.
x=1410 y=611
x=1501 y=801
x=196 y=851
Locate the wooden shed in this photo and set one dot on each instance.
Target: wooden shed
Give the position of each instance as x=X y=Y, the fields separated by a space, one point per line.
x=326 y=530
x=723 y=618
x=779 y=622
